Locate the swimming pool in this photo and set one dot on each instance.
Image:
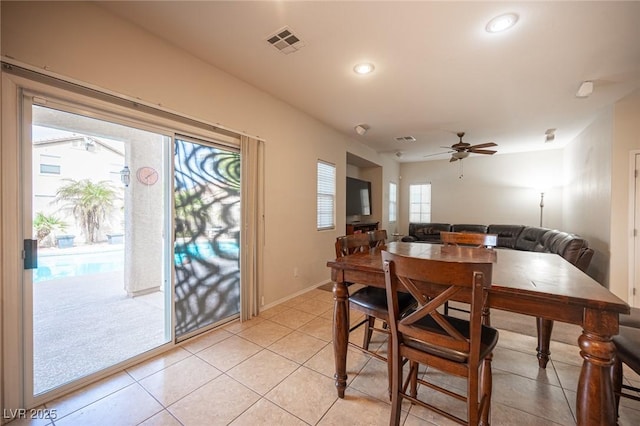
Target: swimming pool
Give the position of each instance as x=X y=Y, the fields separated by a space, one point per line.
x=66 y=264
x=62 y=265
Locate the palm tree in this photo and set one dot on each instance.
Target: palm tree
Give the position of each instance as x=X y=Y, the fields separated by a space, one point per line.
x=44 y=225
x=91 y=203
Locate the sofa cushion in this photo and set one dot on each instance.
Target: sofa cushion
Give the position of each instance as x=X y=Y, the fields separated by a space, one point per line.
x=530 y=239
x=428 y=231
x=507 y=234
x=631 y=320
x=571 y=247
x=584 y=259
x=554 y=242
x=480 y=229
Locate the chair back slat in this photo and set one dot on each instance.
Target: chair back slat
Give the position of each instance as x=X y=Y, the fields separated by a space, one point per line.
x=436 y=339
x=352 y=243
x=378 y=237
x=360 y=242
x=469 y=238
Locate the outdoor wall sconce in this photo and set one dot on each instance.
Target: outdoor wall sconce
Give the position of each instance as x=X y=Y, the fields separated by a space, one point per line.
x=125 y=176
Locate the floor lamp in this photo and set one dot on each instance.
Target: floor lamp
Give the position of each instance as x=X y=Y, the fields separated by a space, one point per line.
x=541 y=207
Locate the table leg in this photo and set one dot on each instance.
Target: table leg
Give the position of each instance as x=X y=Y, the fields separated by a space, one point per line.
x=595 y=403
x=545 y=327
x=340 y=334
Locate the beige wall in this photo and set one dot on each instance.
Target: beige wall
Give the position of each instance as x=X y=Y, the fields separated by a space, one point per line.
x=503 y=189
x=587 y=191
x=626 y=138
x=119 y=57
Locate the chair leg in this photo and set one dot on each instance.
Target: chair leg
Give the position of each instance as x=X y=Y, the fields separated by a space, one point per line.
x=544 y=327
x=486 y=385
x=368 y=331
x=414 y=368
x=473 y=408
x=395 y=361
x=616 y=376
x=390 y=369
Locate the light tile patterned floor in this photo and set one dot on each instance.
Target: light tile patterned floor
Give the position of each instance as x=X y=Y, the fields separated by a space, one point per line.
x=277 y=369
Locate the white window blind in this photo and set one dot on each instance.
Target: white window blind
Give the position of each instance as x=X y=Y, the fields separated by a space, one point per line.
x=326 y=195
x=393 y=201
x=420 y=203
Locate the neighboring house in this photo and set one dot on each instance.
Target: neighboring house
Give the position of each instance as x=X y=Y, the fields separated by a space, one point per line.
x=75 y=157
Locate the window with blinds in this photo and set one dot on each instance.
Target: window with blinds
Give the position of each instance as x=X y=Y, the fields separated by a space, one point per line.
x=420 y=203
x=393 y=201
x=326 y=195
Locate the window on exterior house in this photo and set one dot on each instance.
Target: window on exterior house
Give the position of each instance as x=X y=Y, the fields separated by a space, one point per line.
x=393 y=201
x=49 y=164
x=420 y=203
x=326 y=195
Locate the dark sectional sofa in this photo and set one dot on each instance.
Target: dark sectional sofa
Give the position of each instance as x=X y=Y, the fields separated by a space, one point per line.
x=518 y=237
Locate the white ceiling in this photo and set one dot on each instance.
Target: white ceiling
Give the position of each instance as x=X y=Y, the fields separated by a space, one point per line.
x=437 y=71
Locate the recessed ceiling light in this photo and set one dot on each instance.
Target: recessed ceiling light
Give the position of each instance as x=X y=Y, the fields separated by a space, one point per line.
x=361 y=129
x=585 y=89
x=550 y=135
x=502 y=22
x=363 y=68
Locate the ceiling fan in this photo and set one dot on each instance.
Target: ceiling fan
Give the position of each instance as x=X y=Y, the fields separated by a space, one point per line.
x=461 y=150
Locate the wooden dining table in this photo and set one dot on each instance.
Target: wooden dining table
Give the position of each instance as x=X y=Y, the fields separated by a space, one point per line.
x=538 y=284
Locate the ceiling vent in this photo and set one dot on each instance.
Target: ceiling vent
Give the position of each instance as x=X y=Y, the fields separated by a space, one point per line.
x=285 y=41
x=405 y=139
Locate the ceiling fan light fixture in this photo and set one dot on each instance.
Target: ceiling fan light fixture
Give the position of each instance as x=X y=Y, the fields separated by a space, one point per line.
x=502 y=22
x=460 y=155
x=364 y=68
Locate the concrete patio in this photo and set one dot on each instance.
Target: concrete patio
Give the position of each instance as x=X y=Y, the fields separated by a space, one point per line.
x=85 y=323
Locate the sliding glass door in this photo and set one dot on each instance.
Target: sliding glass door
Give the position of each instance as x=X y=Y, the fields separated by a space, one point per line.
x=95 y=223
x=207 y=235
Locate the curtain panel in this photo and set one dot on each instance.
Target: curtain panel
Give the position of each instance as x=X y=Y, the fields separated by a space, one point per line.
x=252 y=229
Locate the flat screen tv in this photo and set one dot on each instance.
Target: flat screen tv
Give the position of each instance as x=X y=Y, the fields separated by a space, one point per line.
x=358 y=197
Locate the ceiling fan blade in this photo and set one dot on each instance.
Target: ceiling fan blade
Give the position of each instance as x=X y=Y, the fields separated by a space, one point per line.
x=483 y=145
x=438 y=153
x=483 y=151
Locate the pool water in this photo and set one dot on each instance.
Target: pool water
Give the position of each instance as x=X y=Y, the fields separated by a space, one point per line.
x=62 y=265
x=204 y=250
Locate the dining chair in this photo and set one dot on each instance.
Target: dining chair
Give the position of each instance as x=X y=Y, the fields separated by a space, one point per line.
x=475 y=239
x=426 y=337
x=371 y=301
x=627 y=343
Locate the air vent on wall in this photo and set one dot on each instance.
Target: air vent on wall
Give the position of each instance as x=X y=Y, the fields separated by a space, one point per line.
x=406 y=139
x=285 y=41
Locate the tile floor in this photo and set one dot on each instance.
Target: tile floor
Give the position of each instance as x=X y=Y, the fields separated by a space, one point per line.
x=277 y=369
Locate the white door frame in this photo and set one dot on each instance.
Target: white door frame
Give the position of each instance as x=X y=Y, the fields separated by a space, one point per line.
x=634 y=229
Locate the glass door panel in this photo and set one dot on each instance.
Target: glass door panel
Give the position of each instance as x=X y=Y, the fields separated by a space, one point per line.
x=207 y=236
x=99 y=218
